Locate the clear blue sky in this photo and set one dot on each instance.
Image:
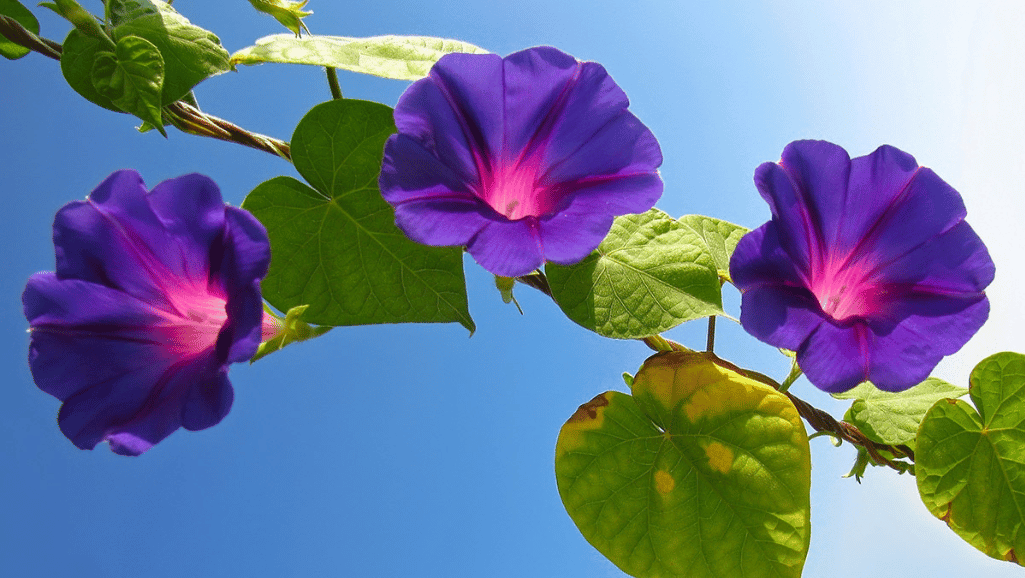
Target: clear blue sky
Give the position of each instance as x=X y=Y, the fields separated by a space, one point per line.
x=414 y=450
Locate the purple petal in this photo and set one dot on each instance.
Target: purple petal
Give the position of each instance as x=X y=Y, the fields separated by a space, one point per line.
x=819 y=172
x=239 y=265
x=112 y=380
x=836 y=357
x=876 y=180
x=244 y=254
x=797 y=234
x=184 y=395
x=926 y=208
x=442 y=222
x=154 y=295
x=906 y=353
x=619 y=195
x=115 y=382
x=191 y=211
x=101 y=353
x=621 y=147
x=571 y=234
x=456 y=112
x=114 y=239
x=537 y=92
x=867 y=267
x=780 y=316
x=953 y=263
x=775 y=305
x=760 y=259
x=241 y=335
x=411 y=173
x=208 y=400
x=508 y=249
x=48 y=300
x=535 y=143
x=78 y=325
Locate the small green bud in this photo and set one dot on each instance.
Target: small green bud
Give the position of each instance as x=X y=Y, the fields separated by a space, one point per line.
x=505 y=287
x=289 y=14
x=289 y=329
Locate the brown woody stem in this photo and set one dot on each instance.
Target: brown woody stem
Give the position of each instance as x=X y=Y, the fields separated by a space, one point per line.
x=18 y=34
x=180 y=114
x=818 y=419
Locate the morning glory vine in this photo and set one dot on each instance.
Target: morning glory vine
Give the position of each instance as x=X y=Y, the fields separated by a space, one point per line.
x=865 y=277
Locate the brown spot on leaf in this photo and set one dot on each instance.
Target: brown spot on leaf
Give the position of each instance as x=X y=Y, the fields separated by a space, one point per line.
x=1010 y=556
x=589 y=410
x=946 y=516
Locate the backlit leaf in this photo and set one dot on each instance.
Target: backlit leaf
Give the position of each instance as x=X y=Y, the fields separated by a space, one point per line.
x=398 y=57
x=702 y=473
x=720 y=236
x=77 y=59
x=970 y=465
x=650 y=274
x=893 y=418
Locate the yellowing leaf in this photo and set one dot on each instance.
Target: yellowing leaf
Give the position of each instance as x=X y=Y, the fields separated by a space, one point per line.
x=701 y=473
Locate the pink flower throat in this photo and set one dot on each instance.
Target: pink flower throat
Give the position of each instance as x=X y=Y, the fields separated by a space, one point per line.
x=844 y=292
x=513 y=190
x=200 y=315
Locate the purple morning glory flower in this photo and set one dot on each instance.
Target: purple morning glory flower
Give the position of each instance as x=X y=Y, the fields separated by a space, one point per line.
x=154 y=295
x=522 y=159
x=867 y=269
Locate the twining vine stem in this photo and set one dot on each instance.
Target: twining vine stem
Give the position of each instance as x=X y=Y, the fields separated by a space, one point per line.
x=18 y=34
x=818 y=419
x=188 y=118
x=180 y=114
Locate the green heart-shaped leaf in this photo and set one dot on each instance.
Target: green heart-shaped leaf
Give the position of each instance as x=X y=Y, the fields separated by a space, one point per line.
x=970 y=465
x=80 y=54
x=720 y=236
x=649 y=275
x=131 y=78
x=190 y=53
x=702 y=473
x=893 y=418
x=335 y=246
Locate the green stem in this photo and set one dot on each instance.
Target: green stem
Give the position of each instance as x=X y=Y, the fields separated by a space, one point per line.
x=795 y=374
x=332 y=83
